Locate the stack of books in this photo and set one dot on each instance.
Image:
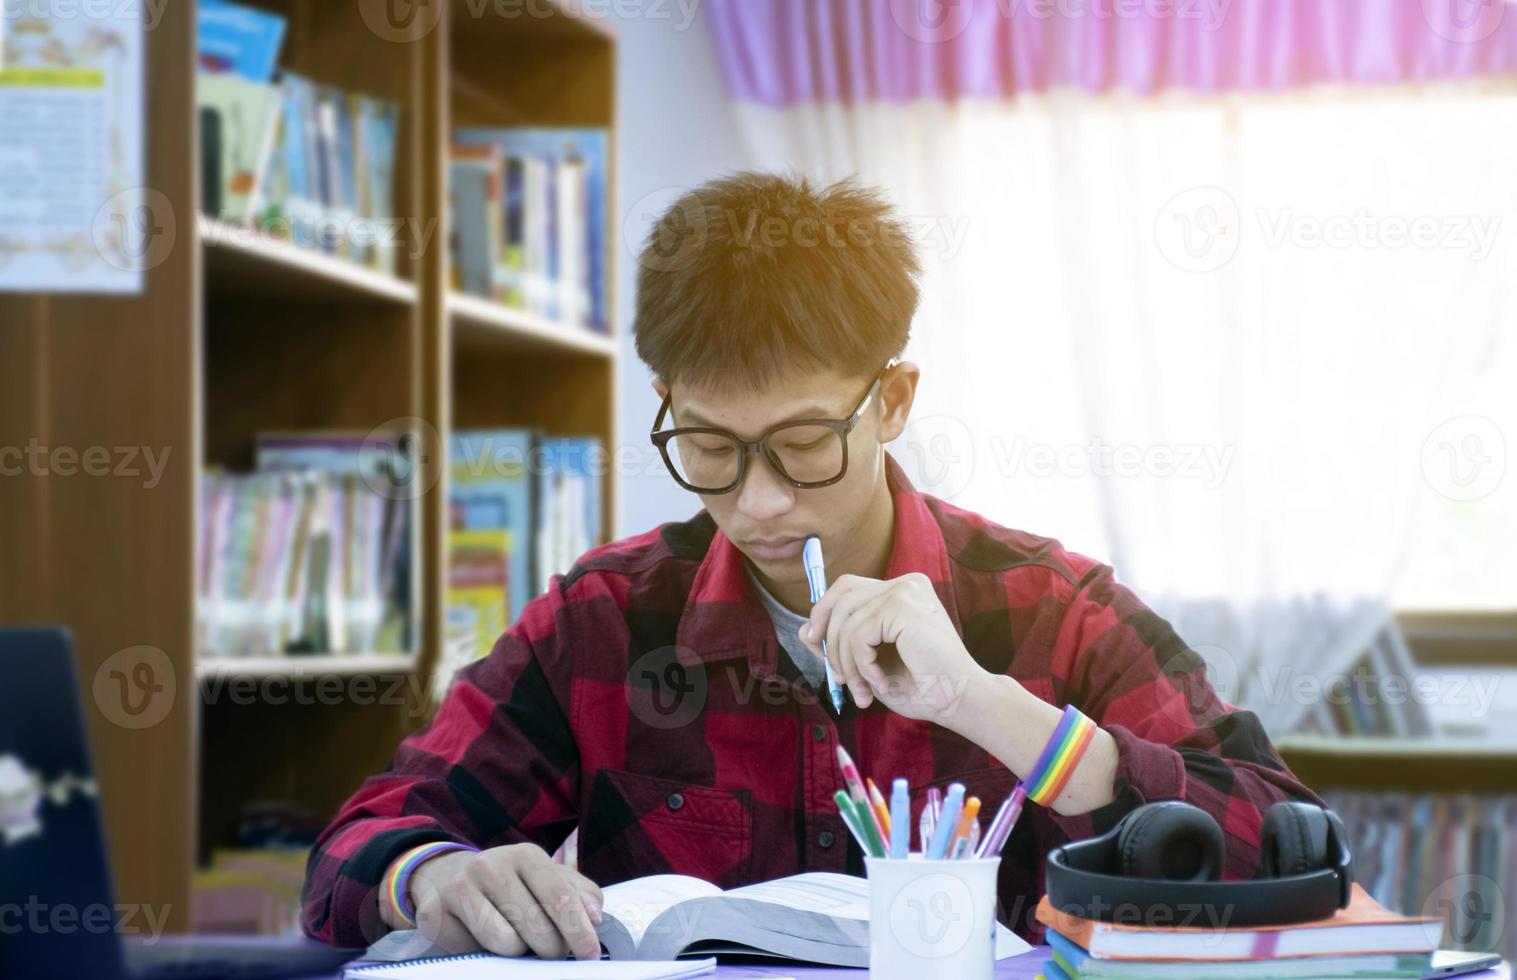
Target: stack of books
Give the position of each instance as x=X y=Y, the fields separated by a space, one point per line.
x=522 y=508
x=288 y=157
x=529 y=221
x=1364 y=940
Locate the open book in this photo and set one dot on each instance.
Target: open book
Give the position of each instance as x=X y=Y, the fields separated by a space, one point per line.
x=818 y=917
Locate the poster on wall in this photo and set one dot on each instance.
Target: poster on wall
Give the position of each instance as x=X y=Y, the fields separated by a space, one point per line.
x=74 y=214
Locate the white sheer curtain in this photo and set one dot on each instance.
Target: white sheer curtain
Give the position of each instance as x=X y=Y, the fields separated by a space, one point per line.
x=1204 y=339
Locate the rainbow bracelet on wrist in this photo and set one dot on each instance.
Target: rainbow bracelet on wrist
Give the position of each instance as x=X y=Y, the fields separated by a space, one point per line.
x=394 y=885
x=1060 y=756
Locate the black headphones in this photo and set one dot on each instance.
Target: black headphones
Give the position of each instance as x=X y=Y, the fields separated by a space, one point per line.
x=1161 y=863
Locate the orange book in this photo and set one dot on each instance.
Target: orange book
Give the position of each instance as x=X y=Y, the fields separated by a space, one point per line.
x=1364 y=927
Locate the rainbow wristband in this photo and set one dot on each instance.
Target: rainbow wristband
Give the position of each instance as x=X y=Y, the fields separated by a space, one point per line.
x=400 y=875
x=1060 y=756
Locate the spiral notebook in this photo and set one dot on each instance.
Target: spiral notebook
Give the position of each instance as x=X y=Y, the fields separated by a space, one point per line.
x=484 y=966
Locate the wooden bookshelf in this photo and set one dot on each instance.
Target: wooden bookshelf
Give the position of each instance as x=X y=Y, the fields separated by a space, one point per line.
x=239 y=334
x=289 y=667
x=1443 y=763
x=242 y=262
x=1385 y=747
x=1400 y=765
x=502 y=367
x=479 y=322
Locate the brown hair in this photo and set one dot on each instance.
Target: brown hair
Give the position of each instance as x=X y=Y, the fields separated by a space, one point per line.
x=753 y=274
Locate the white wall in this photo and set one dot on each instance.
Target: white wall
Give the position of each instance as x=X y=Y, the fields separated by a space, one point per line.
x=676 y=130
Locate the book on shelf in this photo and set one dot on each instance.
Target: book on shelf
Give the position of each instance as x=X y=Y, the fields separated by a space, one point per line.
x=815 y=917
x=238 y=120
x=491 y=489
x=288 y=156
x=1377 y=696
x=474 y=189
x=334 y=186
x=311 y=553
x=568 y=502
x=546 y=225
x=479 y=591
x=238 y=40
x=522 y=508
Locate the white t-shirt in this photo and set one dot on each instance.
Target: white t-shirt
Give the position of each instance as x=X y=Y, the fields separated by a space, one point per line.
x=787 y=627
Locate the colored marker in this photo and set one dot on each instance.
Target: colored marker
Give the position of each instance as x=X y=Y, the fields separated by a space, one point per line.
x=860 y=797
x=816 y=578
x=958 y=845
x=877 y=804
x=947 y=820
x=900 y=819
x=1005 y=819
x=851 y=821
x=874 y=843
x=929 y=821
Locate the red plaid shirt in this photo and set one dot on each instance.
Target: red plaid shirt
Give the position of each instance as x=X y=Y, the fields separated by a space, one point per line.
x=645 y=700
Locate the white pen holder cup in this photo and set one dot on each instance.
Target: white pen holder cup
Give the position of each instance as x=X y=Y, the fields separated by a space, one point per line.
x=932 y=918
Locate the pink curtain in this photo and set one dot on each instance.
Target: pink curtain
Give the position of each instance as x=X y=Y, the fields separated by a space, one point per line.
x=783 y=52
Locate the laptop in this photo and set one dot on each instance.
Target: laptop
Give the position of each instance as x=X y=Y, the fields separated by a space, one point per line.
x=58 y=912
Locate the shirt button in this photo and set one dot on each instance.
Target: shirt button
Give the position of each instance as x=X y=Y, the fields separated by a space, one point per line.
x=818 y=733
x=675 y=801
x=825 y=838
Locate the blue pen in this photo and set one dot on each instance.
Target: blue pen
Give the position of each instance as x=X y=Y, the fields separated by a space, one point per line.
x=816 y=577
x=900 y=819
x=953 y=804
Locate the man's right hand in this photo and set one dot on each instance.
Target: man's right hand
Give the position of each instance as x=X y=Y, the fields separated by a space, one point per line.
x=508 y=900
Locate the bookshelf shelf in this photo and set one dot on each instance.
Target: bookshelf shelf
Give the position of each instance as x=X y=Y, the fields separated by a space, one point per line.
x=239 y=261
x=548 y=22
x=1439 y=765
x=319 y=665
x=1351 y=749
x=497 y=325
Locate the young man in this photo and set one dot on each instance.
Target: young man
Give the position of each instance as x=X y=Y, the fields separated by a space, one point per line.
x=667 y=696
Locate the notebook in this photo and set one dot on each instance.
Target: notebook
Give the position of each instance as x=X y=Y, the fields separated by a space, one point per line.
x=484 y=966
x=1365 y=926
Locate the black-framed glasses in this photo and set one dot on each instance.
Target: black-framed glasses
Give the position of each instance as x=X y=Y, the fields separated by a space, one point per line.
x=805 y=453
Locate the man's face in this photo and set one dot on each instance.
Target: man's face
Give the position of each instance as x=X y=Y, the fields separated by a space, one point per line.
x=767 y=518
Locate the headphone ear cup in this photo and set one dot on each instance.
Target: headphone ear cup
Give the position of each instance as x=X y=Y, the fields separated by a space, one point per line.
x=1338 y=842
x=1293 y=840
x=1170 y=840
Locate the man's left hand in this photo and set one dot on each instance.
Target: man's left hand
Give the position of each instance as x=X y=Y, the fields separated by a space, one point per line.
x=893 y=640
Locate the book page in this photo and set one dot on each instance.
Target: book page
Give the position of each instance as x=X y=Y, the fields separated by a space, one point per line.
x=823 y=892
x=638 y=902
x=843 y=897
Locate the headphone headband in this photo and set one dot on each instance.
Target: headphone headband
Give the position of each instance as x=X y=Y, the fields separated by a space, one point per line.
x=1081 y=882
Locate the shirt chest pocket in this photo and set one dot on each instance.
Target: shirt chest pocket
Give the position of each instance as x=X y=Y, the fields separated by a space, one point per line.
x=641 y=825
